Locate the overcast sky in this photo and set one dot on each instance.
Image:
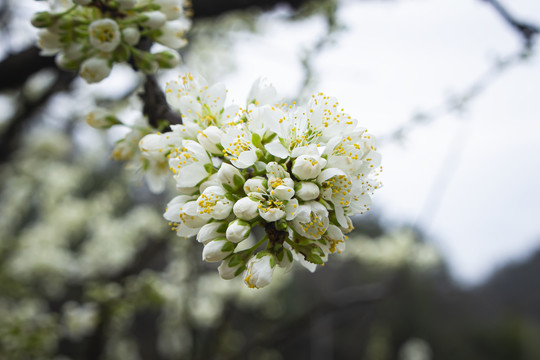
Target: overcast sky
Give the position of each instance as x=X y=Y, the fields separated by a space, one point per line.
x=470 y=181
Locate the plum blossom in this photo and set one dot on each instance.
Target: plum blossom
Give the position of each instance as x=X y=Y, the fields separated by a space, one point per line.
x=287 y=178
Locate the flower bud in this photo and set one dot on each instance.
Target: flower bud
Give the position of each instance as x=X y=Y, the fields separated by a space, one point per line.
x=104 y=34
x=259 y=271
x=146 y=62
x=94 y=70
x=238 y=231
x=131 y=35
x=172 y=34
x=43 y=19
x=307 y=191
x=230 y=177
x=171 y=8
x=101 y=119
x=210 y=232
x=153 y=19
x=308 y=166
x=48 y=42
x=168 y=59
x=283 y=192
x=246 y=209
x=217 y=250
x=210 y=138
x=256 y=184
x=228 y=272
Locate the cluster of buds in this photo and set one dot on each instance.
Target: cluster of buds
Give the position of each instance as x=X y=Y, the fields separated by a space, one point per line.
x=92 y=35
x=265 y=185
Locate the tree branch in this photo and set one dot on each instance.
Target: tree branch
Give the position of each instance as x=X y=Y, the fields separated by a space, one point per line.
x=527 y=31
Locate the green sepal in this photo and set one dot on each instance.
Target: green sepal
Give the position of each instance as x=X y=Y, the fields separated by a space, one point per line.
x=228 y=247
x=228 y=195
x=269 y=137
x=238 y=181
x=122 y=53
x=209 y=168
x=314 y=258
x=235 y=260
x=43 y=19
x=281 y=225
x=280 y=255
x=240 y=270
x=256 y=140
x=223 y=228
x=289 y=255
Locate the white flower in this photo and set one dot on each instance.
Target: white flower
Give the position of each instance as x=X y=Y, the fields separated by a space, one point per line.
x=214 y=204
x=311 y=220
x=228 y=272
x=325 y=117
x=237 y=146
x=94 y=70
x=184 y=217
x=238 y=231
x=246 y=208
x=306 y=191
x=259 y=271
x=153 y=19
x=190 y=164
x=336 y=187
x=273 y=210
x=230 y=177
x=171 y=8
x=201 y=105
x=217 y=250
x=260 y=118
x=158 y=146
x=131 y=35
x=255 y=185
x=334 y=241
x=210 y=232
x=280 y=185
x=354 y=153
x=210 y=139
x=262 y=93
x=104 y=34
x=306 y=167
x=48 y=42
x=172 y=34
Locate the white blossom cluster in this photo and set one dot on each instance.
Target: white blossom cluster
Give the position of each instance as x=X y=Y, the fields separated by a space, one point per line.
x=92 y=35
x=298 y=172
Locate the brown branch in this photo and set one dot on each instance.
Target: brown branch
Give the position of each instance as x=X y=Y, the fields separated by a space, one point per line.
x=527 y=31
x=17 y=68
x=155 y=105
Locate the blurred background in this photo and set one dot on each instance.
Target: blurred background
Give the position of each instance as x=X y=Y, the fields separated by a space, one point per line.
x=445 y=265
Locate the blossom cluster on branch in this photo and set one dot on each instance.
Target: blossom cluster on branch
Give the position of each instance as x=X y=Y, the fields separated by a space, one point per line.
x=296 y=173
x=92 y=35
